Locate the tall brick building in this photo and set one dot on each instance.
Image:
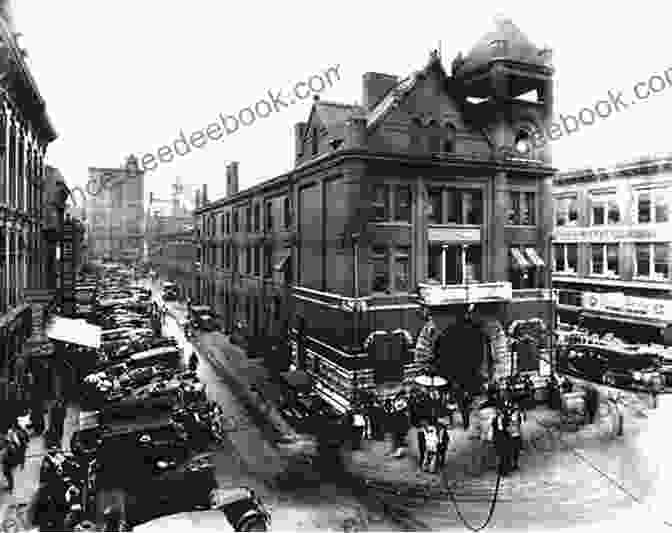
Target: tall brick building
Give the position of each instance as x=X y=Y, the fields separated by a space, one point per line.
x=116 y=213
x=414 y=227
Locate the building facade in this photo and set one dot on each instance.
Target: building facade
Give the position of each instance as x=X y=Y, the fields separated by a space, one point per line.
x=612 y=259
x=115 y=212
x=412 y=224
x=25 y=133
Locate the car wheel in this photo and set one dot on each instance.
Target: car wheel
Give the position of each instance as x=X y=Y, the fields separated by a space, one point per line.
x=255 y=523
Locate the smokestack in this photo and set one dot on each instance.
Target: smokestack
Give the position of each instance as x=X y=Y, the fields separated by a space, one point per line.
x=232 y=178
x=205 y=193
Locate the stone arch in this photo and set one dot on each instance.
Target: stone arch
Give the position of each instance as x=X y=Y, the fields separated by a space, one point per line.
x=496 y=359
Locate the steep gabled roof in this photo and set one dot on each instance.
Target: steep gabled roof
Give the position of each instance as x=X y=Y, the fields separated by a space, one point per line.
x=399 y=92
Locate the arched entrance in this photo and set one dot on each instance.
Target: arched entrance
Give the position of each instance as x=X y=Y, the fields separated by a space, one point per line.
x=474 y=350
x=462 y=353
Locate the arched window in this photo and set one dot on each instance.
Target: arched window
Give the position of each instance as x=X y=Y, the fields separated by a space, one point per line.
x=523 y=142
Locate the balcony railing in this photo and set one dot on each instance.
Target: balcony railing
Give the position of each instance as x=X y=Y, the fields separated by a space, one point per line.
x=532 y=294
x=464 y=294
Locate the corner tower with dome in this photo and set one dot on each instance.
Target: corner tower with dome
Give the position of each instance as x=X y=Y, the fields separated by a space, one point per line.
x=413 y=230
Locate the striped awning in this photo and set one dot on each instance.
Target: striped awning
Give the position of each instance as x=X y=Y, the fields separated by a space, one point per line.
x=519 y=261
x=535 y=258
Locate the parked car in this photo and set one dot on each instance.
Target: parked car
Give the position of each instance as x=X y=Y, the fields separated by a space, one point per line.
x=649 y=379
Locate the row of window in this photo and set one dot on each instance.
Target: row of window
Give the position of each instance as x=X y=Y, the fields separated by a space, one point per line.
x=234 y=222
x=252 y=261
x=652 y=207
x=652 y=260
x=449 y=205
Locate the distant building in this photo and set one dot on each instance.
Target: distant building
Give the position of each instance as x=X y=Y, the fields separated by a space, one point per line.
x=611 y=254
x=116 y=214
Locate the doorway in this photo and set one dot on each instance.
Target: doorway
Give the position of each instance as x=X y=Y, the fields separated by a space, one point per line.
x=461 y=352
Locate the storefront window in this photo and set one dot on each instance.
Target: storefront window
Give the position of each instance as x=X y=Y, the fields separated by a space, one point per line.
x=435 y=202
x=401 y=269
x=643 y=259
x=597 y=259
x=473 y=264
x=612 y=259
x=661 y=253
x=381 y=269
x=434 y=262
x=380 y=203
x=403 y=204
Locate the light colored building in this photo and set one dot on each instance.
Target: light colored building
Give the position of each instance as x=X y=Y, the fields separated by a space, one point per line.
x=115 y=212
x=612 y=258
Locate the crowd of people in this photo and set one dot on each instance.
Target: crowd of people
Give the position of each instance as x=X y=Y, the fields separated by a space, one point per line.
x=23 y=428
x=432 y=412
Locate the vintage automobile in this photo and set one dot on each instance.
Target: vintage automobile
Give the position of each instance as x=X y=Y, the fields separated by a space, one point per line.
x=646 y=379
x=147 y=451
x=191 y=497
x=202 y=317
x=131 y=402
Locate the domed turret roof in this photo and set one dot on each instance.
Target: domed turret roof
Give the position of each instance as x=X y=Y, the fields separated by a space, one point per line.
x=506 y=43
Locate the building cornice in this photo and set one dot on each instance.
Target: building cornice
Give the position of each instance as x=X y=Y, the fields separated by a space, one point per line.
x=334 y=159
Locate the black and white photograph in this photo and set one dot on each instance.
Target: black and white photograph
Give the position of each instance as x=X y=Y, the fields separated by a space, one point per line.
x=364 y=266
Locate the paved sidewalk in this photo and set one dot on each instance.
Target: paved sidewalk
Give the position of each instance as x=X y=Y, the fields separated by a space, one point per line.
x=469 y=457
x=26 y=480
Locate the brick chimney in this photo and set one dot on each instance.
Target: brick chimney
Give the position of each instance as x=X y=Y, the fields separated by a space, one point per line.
x=299 y=131
x=375 y=85
x=232 y=178
x=197 y=199
x=204 y=198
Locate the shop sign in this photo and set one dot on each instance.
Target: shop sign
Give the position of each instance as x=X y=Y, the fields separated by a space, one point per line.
x=618 y=302
x=611 y=234
x=471 y=293
x=435 y=234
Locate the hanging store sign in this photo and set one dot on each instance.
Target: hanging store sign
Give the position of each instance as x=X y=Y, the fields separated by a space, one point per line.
x=613 y=234
x=461 y=294
x=633 y=306
x=435 y=234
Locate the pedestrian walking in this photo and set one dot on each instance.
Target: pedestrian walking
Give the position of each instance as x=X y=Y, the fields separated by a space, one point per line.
x=432 y=448
x=516 y=435
x=57 y=421
x=502 y=442
x=444 y=440
x=11 y=457
x=422 y=443
x=37 y=417
x=193 y=362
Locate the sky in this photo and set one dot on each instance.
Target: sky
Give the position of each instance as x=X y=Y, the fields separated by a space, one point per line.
x=127 y=76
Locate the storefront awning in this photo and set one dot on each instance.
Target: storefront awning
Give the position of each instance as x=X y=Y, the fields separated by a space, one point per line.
x=78 y=332
x=519 y=261
x=282 y=262
x=534 y=257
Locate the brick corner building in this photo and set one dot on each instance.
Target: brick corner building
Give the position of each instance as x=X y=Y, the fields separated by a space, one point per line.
x=415 y=227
